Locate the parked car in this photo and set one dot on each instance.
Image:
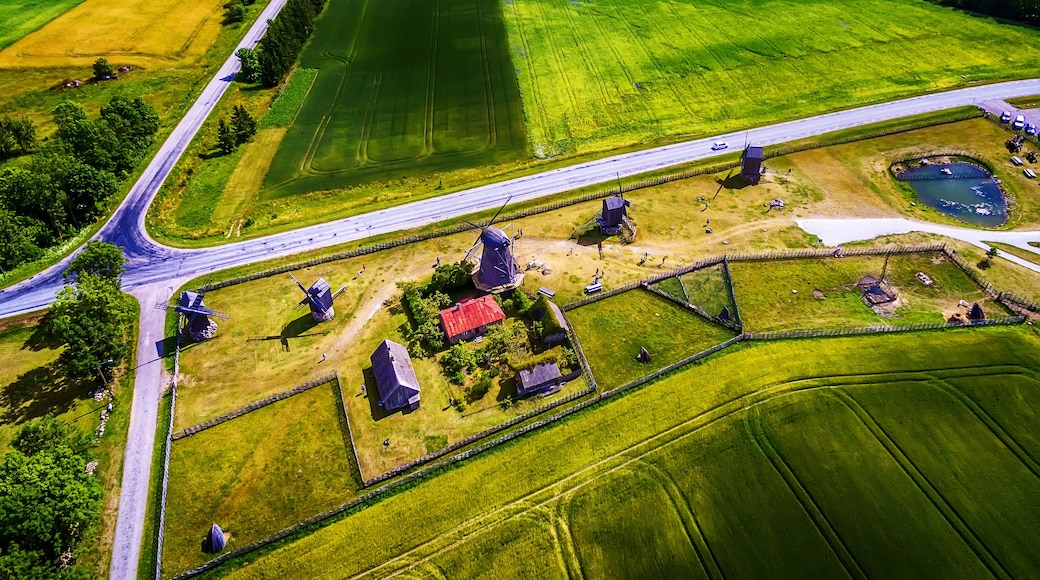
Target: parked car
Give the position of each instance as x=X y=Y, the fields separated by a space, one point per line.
x=1030 y=129
x=1005 y=117
x=719 y=146
x=1020 y=121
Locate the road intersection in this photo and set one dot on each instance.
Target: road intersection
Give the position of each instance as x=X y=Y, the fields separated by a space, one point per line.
x=155 y=271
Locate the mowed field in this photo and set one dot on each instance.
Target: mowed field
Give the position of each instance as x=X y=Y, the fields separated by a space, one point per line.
x=404 y=87
x=599 y=74
x=882 y=456
x=20 y=17
x=147 y=34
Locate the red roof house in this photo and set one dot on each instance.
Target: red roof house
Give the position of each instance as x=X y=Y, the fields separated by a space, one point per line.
x=470 y=318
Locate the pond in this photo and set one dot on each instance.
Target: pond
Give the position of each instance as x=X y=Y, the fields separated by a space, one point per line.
x=959 y=190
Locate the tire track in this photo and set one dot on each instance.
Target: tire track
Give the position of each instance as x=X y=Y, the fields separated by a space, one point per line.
x=754 y=426
x=566 y=549
x=945 y=509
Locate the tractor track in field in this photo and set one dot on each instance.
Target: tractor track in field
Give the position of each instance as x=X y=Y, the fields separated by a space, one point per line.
x=632 y=456
x=925 y=485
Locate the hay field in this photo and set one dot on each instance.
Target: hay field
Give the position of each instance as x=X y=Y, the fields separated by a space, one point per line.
x=150 y=34
x=441 y=95
x=601 y=74
x=913 y=458
x=20 y=17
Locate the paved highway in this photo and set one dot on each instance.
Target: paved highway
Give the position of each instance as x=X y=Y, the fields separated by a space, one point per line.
x=154 y=271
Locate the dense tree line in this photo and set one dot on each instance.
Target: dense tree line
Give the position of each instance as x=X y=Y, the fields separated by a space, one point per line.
x=1022 y=10
x=68 y=181
x=284 y=39
x=48 y=502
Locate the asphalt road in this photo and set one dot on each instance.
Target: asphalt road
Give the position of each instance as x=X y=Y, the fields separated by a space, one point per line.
x=154 y=271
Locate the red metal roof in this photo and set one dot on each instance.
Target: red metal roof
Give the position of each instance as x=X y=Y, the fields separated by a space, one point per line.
x=470 y=314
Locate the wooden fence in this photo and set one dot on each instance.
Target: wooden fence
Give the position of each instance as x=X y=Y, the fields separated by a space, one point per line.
x=187 y=432
x=164 y=485
x=1008 y=297
x=350 y=431
x=824 y=333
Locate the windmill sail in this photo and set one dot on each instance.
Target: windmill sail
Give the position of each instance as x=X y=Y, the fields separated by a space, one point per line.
x=318 y=297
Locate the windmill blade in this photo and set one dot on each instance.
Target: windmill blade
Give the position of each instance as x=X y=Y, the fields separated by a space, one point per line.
x=300 y=285
x=494 y=217
x=475 y=226
x=469 y=252
x=338 y=292
x=162 y=306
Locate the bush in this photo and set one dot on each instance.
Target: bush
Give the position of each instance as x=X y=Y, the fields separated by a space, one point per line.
x=234 y=13
x=481 y=386
x=102 y=69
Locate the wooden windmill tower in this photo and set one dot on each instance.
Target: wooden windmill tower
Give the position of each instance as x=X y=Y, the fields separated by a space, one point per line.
x=199 y=319
x=319 y=298
x=497 y=271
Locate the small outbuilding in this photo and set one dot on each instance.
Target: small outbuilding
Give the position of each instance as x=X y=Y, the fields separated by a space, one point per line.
x=215 y=540
x=538 y=379
x=976 y=314
x=395 y=377
x=751 y=164
x=471 y=318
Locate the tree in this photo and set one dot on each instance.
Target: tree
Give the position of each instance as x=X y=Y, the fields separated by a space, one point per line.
x=18 y=239
x=225 y=138
x=102 y=69
x=24 y=133
x=94 y=320
x=992 y=253
x=243 y=125
x=47 y=434
x=250 y=65
x=133 y=123
x=99 y=259
x=234 y=13
x=48 y=503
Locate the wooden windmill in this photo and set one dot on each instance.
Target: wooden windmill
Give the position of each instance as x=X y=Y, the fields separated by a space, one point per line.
x=199 y=319
x=497 y=270
x=319 y=298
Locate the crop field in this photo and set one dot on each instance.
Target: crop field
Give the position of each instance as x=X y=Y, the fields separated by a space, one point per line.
x=19 y=17
x=598 y=74
x=613 y=330
x=442 y=96
x=147 y=34
x=914 y=457
x=785 y=294
x=257 y=474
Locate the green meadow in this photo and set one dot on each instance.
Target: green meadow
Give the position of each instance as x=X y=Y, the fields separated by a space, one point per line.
x=882 y=456
x=18 y=18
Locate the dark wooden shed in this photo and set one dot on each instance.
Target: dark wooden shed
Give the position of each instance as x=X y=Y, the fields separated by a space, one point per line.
x=539 y=379
x=751 y=164
x=395 y=377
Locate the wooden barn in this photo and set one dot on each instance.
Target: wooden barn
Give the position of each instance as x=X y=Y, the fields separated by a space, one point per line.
x=539 y=379
x=751 y=164
x=471 y=318
x=395 y=377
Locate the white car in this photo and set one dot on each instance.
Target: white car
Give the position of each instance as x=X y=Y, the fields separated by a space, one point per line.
x=1005 y=117
x=1020 y=121
x=719 y=146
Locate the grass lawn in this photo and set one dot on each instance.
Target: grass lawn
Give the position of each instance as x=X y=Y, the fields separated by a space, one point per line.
x=146 y=34
x=1030 y=102
x=613 y=330
x=20 y=17
x=852 y=453
x=1016 y=251
x=257 y=474
x=779 y=295
x=597 y=75
x=709 y=289
x=443 y=97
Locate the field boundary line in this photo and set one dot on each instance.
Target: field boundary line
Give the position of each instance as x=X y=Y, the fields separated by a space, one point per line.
x=935 y=497
x=161 y=532
x=195 y=429
x=992 y=424
x=753 y=423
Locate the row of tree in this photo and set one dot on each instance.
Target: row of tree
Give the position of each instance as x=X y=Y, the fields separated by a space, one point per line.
x=67 y=183
x=1021 y=10
x=282 y=43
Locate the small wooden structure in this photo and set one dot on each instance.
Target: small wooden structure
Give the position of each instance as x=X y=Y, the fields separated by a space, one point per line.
x=471 y=318
x=644 y=355
x=613 y=214
x=541 y=378
x=396 y=382
x=319 y=298
x=725 y=315
x=976 y=314
x=751 y=164
x=215 y=541
x=200 y=325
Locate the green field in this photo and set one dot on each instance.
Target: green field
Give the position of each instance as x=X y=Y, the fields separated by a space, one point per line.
x=612 y=331
x=707 y=288
x=916 y=457
x=779 y=295
x=20 y=17
x=257 y=474
x=599 y=74
x=442 y=95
